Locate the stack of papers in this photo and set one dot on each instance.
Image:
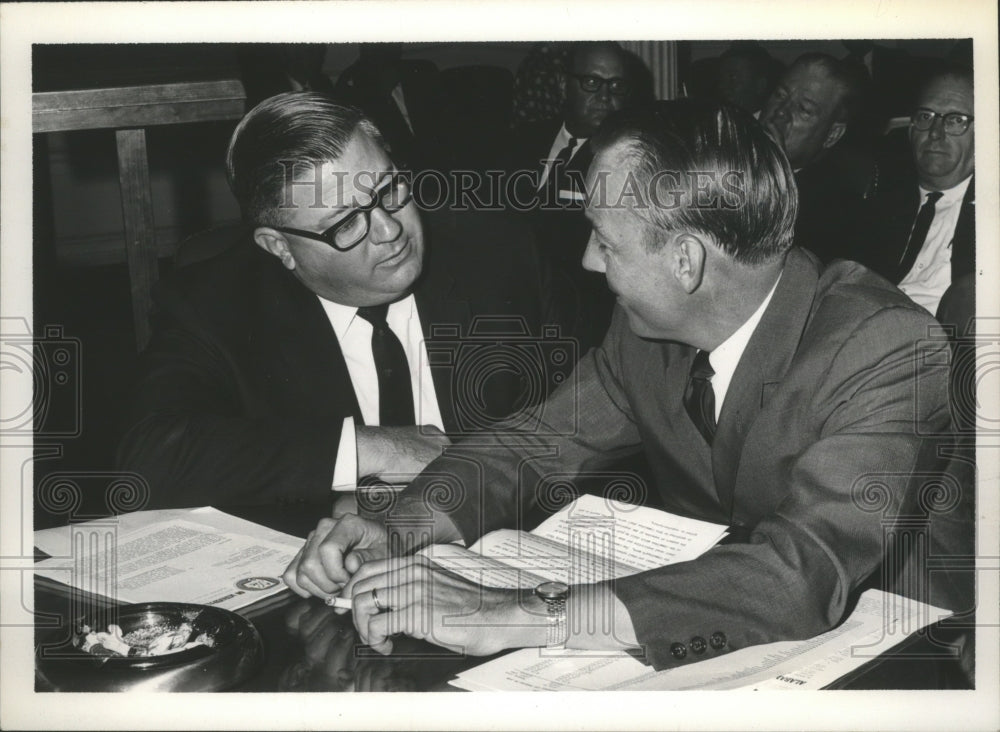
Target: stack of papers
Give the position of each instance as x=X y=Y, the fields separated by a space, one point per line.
x=591 y=540
x=879 y=622
x=198 y=555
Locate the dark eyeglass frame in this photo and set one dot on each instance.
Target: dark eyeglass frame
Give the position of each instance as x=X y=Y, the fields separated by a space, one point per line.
x=596 y=82
x=398 y=180
x=959 y=121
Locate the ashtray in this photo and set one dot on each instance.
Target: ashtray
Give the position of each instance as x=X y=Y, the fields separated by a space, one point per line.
x=227 y=651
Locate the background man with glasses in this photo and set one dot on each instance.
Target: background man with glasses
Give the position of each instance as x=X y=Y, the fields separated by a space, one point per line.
x=599 y=80
x=924 y=233
x=298 y=361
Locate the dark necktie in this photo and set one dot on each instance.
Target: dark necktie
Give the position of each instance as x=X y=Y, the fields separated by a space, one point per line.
x=552 y=183
x=699 y=398
x=919 y=234
x=395 y=394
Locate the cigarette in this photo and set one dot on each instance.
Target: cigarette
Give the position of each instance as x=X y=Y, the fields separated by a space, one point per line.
x=344 y=603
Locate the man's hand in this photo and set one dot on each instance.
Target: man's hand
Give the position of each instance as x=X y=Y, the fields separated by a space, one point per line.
x=398 y=453
x=332 y=553
x=344 y=504
x=418 y=598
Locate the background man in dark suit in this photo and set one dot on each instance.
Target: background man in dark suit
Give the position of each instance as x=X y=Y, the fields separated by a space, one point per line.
x=764 y=390
x=402 y=98
x=924 y=231
x=558 y=152
x=301 y=360
x=808 y=113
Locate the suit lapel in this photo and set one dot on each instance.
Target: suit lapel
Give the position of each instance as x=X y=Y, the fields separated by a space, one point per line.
x=306 y=359
x=963 y=248
x=576 y=174
x=444 y=318
x=545 y=134
x=582 y=160
x=761 y=367
x=898 y=230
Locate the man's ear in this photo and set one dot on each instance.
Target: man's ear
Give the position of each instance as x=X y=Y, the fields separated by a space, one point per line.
x=273 y=242
x=836 y=132
x=689 y=261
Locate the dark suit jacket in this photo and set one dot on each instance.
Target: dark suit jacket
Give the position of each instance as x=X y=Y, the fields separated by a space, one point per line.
x=894 y=211
x=529 y=147
x=817 y=434
x=562 y=230
x=422 y=146
x=243 y=391
x=832 y=213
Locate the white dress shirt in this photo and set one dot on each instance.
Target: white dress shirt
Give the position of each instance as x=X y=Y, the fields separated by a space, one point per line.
x=355 y=337
x=726 y=356
x=930 y=275
x=561 y=141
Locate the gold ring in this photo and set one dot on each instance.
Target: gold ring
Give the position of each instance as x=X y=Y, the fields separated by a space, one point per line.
x=378 y=605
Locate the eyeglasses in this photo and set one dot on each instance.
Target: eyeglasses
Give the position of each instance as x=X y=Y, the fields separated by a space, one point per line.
x=955 y=123
x=589 y=83
x=390 y=196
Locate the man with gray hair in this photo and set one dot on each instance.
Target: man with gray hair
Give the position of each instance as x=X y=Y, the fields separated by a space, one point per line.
x=763 y=389
x=808 y=113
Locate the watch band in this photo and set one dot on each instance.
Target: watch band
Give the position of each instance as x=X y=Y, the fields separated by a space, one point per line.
x=554 y=595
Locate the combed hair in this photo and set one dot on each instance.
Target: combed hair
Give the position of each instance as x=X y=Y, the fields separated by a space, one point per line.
x=720 y=142
x=291 y=128
x=854 y=83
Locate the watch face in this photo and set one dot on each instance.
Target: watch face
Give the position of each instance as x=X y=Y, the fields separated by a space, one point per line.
x=552 y=590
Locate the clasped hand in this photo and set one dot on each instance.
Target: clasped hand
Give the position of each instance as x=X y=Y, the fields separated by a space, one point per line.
x=411 y=595
x=333 y=552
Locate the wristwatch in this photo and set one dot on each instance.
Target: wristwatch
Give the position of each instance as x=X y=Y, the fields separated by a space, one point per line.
x=554 y=595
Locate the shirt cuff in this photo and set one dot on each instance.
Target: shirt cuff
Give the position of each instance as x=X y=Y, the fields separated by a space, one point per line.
x=345 y=470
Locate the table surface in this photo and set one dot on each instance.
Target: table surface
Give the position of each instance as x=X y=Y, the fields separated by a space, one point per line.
x=308 y=647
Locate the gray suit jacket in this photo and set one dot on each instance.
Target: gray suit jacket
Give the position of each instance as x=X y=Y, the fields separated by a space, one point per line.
x=818 y=432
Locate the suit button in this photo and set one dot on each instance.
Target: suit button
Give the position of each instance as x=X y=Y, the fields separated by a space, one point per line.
x=698 y=644
x=678 y=651
x=717 y=640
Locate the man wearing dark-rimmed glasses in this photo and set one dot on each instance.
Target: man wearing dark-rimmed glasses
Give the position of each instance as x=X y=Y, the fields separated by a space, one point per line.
x=390 y=194
x=925 y=227
x=293 y=364
x=599 y=79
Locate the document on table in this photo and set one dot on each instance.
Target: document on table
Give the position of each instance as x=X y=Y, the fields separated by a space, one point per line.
x=177 y=555
x=590 y=540
x=879 y=622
